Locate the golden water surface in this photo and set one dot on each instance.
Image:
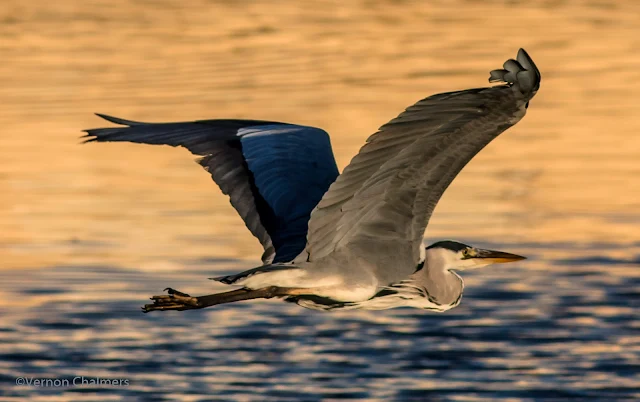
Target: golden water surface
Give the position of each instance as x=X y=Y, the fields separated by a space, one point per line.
x=567 y=173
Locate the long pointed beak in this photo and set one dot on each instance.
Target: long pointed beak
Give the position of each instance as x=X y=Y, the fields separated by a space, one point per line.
x=497 y=257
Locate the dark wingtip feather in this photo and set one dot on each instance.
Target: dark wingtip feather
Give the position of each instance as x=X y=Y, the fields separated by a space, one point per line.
x=112 y=133
x=117 y=120
x=497 y=75
x=96 y=135
x=87 y=137
x=521 y=73
x=526 y=61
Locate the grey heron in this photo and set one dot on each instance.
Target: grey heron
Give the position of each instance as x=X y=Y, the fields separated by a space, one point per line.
x=353 y=240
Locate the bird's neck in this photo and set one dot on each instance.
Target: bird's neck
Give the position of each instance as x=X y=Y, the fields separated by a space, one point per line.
x=441 y=284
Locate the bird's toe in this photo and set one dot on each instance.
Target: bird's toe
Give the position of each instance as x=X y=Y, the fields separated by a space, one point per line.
x=175 y=300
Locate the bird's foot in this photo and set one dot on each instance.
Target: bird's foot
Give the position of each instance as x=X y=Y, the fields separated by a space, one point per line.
x=174 y=300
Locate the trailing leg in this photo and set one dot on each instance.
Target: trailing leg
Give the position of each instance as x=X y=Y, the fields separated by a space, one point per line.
x=176 y=300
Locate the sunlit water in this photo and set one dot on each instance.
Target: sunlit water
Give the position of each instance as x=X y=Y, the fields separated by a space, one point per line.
x=88 y=232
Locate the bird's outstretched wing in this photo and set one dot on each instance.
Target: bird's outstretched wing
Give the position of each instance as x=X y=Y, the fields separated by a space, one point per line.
x=383 y=200
x=274 y=173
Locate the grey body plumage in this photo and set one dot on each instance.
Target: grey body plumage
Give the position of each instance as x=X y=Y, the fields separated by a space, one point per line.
x=351 y=240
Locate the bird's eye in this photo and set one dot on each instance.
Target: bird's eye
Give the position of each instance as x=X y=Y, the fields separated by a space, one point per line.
x=465 y=253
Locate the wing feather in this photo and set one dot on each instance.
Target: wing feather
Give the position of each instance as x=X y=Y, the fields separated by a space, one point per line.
x=386 y=195
x=274 y=173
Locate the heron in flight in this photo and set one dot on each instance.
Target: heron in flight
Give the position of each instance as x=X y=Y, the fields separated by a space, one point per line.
x=353 y=240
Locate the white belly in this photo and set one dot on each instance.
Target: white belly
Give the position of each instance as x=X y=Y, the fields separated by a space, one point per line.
x=325 y=283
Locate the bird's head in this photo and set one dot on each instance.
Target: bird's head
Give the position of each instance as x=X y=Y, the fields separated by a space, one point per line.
x=455 y=255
